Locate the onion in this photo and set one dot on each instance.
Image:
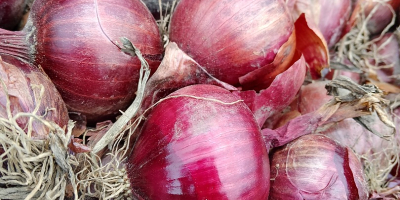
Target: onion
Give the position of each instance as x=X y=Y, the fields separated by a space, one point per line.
x=386 y=58
x=316 y=167
x=11 y=13
x=23 y=82
x=330 y=16
x=312 y=97
x=200 y=142
x=76 y=43
x=381 y=14
x=232 y=38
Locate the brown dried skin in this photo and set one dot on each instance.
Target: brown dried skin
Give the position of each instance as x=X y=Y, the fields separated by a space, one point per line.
x=316 y=167
x=23 y=82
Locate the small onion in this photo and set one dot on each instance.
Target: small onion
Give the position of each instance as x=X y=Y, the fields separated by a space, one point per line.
x=11 y=13
x=200 y=142
x=76 y=43
x=316 y=167
x=330 y=16
x=233 y=38
x=22 y=80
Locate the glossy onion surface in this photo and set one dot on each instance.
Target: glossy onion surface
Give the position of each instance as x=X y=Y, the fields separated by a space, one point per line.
x=21 y=80
x=231 y=38
x=206 y=146
x=316 y=167
x=74 y=43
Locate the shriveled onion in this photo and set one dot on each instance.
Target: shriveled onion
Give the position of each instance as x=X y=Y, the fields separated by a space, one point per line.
x=200 y=142
x=29 y=89
x=78 y=45
x=316 y=167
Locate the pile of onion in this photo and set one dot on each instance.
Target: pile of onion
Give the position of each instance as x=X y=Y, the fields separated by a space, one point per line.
x=77 y=43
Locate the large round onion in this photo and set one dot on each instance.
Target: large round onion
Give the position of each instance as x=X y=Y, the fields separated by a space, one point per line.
x=11 y=13
x=316 y=167
x=75 y=42
x=200 y=143
x=232 y=38
x=23 y=81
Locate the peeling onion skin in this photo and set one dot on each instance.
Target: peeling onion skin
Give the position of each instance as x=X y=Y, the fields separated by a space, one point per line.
x=11 y=13
x=316 y=167
x=330 y=16
x=231 y=38
x=18 y=77
x=200 y=149
x=74 y=42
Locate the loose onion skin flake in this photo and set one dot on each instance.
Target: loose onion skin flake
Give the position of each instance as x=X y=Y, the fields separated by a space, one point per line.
x=200 y=142
x=232 y=38
x=78 y=45
x=11 y=13
x=316 y=167
x=329 y=16
x=23 y=82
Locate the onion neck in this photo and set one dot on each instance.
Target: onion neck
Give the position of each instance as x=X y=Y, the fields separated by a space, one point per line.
x=14 y=43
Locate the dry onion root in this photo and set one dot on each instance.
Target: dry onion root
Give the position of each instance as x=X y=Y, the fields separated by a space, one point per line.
x=34 y=168
x=358 y=47
x=102 y=180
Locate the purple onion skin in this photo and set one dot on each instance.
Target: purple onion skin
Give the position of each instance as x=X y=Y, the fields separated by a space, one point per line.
x=19 y=77
x=316 y=167
x=231 y=38
x=200 y=149
x=11 y=12
x=74 y=42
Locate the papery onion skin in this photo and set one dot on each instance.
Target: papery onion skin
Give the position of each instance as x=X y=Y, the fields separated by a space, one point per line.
x=11 y=13
x=19 y=77
x=312 y=96
x=330 y=16
x=207 y=146
x=75 y=42
x=379 y=20
x=232 y=38
x=316 y=167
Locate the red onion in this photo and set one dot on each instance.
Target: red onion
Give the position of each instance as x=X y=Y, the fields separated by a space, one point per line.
x=22 y=81
x=76 y=43
x=387 y=58
x=200 y=142
x=381 y=17
x=316 y=167
x=11 y=13
x=330 y=16
x=232 y=39
x=313 y=96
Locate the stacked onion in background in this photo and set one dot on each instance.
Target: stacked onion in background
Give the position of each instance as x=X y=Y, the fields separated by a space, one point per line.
x=232 y=74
